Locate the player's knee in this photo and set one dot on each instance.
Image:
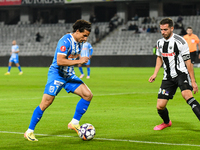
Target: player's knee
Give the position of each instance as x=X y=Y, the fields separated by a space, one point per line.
x=160 y=107
x=88 y=96
x=46 y=102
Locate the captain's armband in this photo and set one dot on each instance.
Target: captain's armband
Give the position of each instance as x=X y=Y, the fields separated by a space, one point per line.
x=186 y=57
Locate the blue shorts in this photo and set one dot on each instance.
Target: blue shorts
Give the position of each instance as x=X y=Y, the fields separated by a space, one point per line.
x=15 y=60
x=55 y=83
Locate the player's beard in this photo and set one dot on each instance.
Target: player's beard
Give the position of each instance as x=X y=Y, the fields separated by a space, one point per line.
x=167 y=36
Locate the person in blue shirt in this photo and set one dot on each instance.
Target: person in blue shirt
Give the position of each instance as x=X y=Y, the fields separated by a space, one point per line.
x=86 y=51
x=14 y=58
x=61 y=75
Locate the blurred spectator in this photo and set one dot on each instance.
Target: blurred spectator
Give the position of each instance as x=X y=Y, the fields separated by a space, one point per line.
x=144 y=20
x=38 y=37
x=92 y=19
x=148 y=20
x=111 y=26
x=180 y=19
x=183 y=31
x=136 y=17
x=140 y=29
x=96 y=32
x=155 y=29
x=152 y=29
x=153 y=20
x=144 y=28
x=115 y=20
x=148 y=29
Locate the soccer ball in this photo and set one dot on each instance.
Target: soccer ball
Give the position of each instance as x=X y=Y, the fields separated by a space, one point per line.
x=87 y=132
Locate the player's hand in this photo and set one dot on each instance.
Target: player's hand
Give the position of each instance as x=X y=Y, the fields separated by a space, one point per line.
x=152 y=78
x=83 y=60
x=195 y=87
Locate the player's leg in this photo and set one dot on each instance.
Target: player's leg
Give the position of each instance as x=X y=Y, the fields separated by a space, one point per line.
x=188 y=96
x=86 y=96
x=9 y=67
x=166 y=92
x=81 y=70
x=186 y=91
x=16 y=61
x=88 y=71
x=37 y=115
x=162 y=110
x=52 y=88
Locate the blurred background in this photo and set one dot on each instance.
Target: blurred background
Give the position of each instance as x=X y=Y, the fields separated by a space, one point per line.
x=124 y=32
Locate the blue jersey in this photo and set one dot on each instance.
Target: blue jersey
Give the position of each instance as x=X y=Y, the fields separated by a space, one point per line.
x=14 y=49
x=69 y=47
x=87 y=50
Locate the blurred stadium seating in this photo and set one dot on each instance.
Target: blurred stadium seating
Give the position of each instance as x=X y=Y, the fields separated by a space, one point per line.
x=116 y=43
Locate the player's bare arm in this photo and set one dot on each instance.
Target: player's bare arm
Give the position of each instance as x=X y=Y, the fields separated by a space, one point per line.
x=191 y=73
x=62 y=61
x=157 y=68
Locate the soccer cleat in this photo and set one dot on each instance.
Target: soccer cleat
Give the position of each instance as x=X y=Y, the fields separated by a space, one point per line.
x=30 y=136
x=21 y=73
x=7 y=73
x=71 y=126
x=88 y=77
x=81 y=76
x=163 y=125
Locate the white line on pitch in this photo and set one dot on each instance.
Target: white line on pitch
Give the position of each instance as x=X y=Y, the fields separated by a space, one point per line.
x=115 y=140
x=76 y=95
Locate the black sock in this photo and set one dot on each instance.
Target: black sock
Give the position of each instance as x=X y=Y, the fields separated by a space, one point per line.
x=164 y=115
x=195 y=106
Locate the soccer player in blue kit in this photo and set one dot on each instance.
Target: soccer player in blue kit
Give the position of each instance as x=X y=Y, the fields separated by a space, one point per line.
x=86 y=51
x=61 y=75
x=14 y=58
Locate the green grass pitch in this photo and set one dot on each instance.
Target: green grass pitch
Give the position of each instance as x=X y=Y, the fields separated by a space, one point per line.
x=123 y=111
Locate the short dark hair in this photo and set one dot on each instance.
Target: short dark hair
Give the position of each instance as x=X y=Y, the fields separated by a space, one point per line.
x=167 y=21
x=189 y=28
x=81 y=25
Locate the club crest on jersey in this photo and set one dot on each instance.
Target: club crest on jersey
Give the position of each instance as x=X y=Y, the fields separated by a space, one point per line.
x=168 y=54
x=63 y=48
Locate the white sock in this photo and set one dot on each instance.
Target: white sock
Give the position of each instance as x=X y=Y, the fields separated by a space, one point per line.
x=29 y=131
x=75 y=122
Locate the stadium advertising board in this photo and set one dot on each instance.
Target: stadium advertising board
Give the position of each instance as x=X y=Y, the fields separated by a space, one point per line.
x=83 y=1
x=38 y=2
x=10 y=2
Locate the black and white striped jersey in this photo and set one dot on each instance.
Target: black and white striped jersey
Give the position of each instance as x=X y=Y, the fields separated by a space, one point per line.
x=174 y=52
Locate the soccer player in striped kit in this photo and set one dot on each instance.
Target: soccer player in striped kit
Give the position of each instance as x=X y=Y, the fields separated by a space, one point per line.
x=14 y=58
x=173 y=53
x=61 y=75
x=86 y=51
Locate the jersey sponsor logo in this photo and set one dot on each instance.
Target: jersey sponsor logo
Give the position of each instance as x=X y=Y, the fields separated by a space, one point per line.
x=73 y=56
x=193 y=40
x=63 y=48
x=163 y=92
x=58 y=83
x=168 y=54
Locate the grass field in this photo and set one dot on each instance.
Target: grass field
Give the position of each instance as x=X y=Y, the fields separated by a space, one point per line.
x=123 y=111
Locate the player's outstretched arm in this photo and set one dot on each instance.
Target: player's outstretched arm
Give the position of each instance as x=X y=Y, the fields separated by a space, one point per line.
x=157 y=68
x=62 y=61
